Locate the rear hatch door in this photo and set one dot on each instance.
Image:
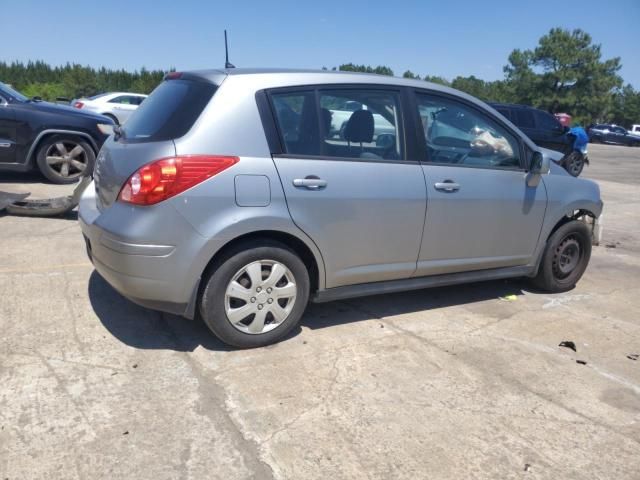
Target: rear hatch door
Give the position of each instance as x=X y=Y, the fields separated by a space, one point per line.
x=168 y=113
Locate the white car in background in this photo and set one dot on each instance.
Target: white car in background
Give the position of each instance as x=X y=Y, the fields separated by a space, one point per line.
x=116 y=105
x=634 y=130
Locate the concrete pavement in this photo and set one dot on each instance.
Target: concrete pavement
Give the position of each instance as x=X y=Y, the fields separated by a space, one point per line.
x=454 y=382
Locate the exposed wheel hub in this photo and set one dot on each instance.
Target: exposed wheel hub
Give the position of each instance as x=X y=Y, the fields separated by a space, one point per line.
x=567 y=257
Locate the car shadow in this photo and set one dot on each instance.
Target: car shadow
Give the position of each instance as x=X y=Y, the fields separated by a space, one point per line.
x=23 y=177
x=142 y=328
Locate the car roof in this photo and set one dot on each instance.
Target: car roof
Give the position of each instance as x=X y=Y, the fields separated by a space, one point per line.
x=266 y=78
x=513 y=105
x=293 y=77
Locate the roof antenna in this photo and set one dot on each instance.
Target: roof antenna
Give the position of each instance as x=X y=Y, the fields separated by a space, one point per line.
x=226 y=53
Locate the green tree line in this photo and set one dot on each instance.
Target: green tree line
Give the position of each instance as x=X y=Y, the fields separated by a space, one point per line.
x=37 y=78
x=565 y=72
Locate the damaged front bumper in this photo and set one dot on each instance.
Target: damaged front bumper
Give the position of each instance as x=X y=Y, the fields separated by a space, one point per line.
x=596 y=227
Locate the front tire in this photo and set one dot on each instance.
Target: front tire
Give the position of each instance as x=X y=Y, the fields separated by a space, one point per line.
x=255 y=295
x=574 y=163
x=565 y=258
x=64 y=159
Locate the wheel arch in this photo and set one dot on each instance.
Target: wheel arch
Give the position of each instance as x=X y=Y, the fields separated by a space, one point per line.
x=33 y=149
x=314 y=264
x=574 y=213
x=112 y=116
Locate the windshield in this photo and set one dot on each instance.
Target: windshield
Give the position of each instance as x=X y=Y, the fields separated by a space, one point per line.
x=95 y=97
x=6 y=89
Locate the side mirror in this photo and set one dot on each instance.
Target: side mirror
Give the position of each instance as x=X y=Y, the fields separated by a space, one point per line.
x=539 y=165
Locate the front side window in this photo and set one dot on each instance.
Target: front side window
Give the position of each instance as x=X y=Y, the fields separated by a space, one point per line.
x=347 y=123
x=460 y=135
x=547 y=121
x=123 y=100
x=524 y=118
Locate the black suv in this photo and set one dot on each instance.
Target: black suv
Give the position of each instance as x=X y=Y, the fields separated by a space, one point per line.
x=541 y=127
x=609 y=133
x=61 y=141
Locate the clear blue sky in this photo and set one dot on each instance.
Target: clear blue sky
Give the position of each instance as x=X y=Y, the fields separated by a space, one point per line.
x=446 y=38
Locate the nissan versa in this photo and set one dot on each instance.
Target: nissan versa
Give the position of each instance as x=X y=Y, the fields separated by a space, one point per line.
x=228 y=194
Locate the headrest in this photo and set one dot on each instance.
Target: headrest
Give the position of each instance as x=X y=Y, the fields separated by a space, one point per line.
x=359 y=127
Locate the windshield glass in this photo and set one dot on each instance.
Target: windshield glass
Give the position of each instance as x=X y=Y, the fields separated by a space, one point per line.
x=95 y=97
x=4 y=88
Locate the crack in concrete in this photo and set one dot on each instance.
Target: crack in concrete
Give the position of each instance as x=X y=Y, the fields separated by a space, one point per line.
x=212 y=402
x=507 y=379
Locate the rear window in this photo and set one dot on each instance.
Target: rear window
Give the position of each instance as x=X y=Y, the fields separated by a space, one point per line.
x=169 y=112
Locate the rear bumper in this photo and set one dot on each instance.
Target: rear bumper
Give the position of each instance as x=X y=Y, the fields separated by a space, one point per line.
x=159 y=276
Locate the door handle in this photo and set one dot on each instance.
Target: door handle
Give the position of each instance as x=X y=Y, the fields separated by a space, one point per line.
x=311 y=182
x=447 y=186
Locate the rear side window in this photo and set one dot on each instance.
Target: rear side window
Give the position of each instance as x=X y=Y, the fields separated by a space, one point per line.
x=169 y=112
x=349 y=123
x=546 y=121
x=297 y=122
x=523 y=118
x=505 y=112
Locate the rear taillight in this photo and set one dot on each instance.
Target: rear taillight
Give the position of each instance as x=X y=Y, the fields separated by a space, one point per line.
x=78 y=104
x=167 y=177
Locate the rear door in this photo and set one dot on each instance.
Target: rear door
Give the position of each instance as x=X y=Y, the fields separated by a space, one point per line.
x=481 y=214
x=352 y=188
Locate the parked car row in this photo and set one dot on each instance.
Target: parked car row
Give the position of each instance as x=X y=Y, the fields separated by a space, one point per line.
x=59 y=140
x=118 y=106
x=613 y=134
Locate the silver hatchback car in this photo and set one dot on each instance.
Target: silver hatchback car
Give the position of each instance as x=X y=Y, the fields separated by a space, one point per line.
x=227 y=194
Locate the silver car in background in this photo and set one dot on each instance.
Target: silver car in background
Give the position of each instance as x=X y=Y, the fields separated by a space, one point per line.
x=228 y=195
x=116 y=105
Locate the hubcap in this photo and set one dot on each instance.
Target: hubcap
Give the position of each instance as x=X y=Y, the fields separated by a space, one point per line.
x=566 y=258
x=67 y=159
x=260 y=296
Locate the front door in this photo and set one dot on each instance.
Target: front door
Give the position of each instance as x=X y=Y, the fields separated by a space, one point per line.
x=481 y=214
x=347 y=183
x=7 y=132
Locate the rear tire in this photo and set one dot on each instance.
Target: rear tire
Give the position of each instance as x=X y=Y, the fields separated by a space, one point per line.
x=255 y=295
x=64 y=159
x=565 y=258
